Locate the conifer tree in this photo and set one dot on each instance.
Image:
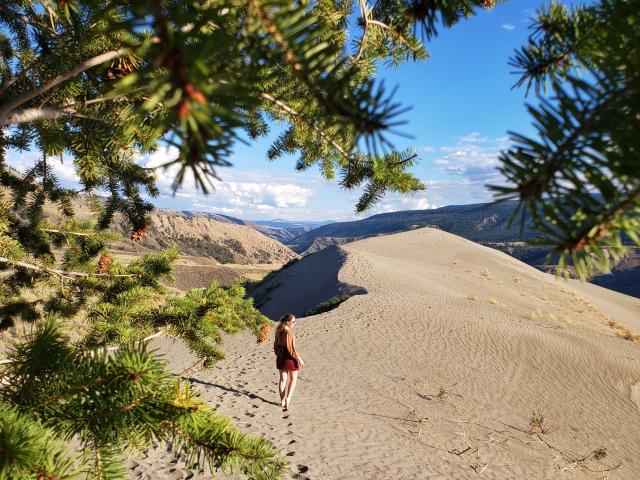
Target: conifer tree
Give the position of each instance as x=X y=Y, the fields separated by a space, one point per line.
x=100 y=83
x=579 y=176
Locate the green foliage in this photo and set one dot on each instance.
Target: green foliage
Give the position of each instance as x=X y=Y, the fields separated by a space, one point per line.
x=114 y=79
x=578 y=176
x=30 y=450
x=110 y=402
x=327 y=305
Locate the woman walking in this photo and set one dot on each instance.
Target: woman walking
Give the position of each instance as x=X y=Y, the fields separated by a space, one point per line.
x=288 y=362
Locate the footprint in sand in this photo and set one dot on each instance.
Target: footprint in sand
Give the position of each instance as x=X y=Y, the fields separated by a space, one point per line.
x=291 y=454
x=303 y=469
x=292 y=442
x=249 y=414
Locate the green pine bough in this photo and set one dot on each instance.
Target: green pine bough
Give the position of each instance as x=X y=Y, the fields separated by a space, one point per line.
x=101 y=83
x=579 y=177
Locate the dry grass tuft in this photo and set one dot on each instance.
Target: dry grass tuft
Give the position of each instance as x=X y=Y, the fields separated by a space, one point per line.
x=623 y=332
x=442 y=393
x=537 y=313
x=536 y=423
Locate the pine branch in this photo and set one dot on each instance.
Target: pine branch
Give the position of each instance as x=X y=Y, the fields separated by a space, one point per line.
x=77 y=234
x=31 y=115
x=365 y=15
x=13 y=103
x=598 y=230
x=290 y=57
x=61 y=273
x=533 y=188
x=295 y=114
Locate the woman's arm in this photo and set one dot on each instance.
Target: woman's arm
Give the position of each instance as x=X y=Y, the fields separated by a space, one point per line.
x=291 y=346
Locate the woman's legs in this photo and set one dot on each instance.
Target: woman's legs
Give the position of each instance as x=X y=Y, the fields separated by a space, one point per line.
x=282 y=386
x=293 y=378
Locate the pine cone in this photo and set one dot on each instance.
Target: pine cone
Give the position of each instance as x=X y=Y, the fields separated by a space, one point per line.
x=103 y=264
x=139 y=233
x=265 y=330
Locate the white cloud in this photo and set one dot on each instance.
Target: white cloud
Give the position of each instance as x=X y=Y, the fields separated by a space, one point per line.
x=248 y=194
x=396 y=202
x=508 y=26
x=63 y=168
x=474 y=137
x=428 y=149
x=474 y=159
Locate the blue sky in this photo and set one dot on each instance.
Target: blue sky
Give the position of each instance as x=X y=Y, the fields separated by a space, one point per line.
x=462 y=106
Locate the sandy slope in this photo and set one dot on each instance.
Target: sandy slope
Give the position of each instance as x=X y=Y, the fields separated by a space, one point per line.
x=436 y=371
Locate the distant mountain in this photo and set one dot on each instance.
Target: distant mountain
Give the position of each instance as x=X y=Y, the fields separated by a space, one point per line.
x=225 y=239
x=477 y=222
x=285 y=230
x=483 y=223
x=222 y=238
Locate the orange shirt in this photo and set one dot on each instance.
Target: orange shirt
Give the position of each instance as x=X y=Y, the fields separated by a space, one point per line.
x=285 y=341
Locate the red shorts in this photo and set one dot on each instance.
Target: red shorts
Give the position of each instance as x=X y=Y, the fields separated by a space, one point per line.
x=288 y=364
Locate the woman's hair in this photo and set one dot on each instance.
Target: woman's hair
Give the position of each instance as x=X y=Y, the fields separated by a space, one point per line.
x=287 y=318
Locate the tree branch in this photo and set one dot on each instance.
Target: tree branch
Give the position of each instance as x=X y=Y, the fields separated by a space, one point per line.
x=365 y=12
x=64 y=232
x=61 y=273
x=293 y=61
x=81 y=67
x=36 y=114
x=533 y=188
x=576 y=243
x=365 y=16
x=294 y=113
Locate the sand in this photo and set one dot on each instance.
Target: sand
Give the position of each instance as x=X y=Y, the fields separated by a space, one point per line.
x=460 y=362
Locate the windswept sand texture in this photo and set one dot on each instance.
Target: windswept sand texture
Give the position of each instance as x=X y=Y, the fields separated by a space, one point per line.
x=437 y=371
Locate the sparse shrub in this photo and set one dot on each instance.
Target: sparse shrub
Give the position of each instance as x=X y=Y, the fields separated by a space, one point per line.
x=599 y=453
x=485 y=274
x=330 y=304
x=537 y=313
x=235 y=245
x=623 y=332
x=536 y=423
x=442 y=393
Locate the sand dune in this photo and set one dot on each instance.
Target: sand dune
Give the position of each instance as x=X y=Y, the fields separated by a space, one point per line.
x=304 y=285
x=443 y=370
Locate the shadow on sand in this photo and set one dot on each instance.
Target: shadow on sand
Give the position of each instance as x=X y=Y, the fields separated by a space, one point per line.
x=234 y=390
